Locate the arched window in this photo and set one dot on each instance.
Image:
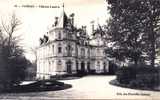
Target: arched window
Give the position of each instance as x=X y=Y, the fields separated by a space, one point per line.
x=59 y=62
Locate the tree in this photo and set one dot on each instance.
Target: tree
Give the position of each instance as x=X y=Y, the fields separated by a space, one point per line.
x=133 y=29
x=33 y=68
x=152 y=28
x=14 y=62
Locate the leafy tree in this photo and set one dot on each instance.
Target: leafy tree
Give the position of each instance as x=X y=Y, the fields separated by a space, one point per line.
x=14 y=62
x=133 y=29
x=152 y=28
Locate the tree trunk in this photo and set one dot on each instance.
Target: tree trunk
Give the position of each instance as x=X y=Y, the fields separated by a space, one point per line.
x=153 y=53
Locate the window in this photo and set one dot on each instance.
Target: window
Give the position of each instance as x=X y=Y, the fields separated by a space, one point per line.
x=88 y=53
x=70 y=35
x=77 y=65
x=88 y=66
x=59 y=35
x=98 y=63
x=59 y=49
x=53 y=49
x=104 y=64
x=59 y=65
x=59 y=62
x=82 y=52
x=69 y=50
x=104 y=52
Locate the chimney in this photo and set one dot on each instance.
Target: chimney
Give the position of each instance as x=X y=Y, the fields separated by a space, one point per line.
x=84 y=28
x=72 y=19
x=56 y=21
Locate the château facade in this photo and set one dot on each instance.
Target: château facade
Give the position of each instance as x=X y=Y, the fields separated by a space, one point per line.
x=66 y=49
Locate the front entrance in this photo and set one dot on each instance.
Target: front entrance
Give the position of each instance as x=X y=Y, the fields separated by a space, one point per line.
x=69 y=67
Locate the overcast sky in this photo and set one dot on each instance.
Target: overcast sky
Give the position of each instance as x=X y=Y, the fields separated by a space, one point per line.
x=36 y=21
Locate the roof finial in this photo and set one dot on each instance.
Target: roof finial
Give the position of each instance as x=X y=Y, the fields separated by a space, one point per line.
x=97 y=20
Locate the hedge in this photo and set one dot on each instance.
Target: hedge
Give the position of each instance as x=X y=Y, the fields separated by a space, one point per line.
x=139 y=76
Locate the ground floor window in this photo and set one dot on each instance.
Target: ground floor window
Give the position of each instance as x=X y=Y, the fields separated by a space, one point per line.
x=77 y=65
x=59 y=65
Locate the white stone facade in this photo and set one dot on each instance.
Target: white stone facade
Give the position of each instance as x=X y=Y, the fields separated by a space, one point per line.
x=67 y=50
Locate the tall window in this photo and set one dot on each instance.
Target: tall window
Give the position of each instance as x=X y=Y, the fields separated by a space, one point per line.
x=82 y=52
x=98 y=63
x=53 y=49
x=59 y=35
x=88 y=53
x=69 y=50
x=59 y=64
x=88 y=66
x=59 y=49
x=77 y=65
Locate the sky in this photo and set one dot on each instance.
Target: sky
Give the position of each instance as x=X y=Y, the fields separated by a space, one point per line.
x=36 y=21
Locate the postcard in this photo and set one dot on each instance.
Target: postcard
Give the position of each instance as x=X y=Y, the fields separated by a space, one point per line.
x=79 y=49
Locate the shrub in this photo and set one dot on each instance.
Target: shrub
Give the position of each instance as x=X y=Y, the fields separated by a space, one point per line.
x=112 y=68
x=81 y=73
x=126 y=74
x=136 y=83
x=149 y=79
x=92 y=71
x=139 y=76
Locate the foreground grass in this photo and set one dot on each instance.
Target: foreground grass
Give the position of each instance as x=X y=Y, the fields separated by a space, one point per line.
x=39 y=86
x=116 y=83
